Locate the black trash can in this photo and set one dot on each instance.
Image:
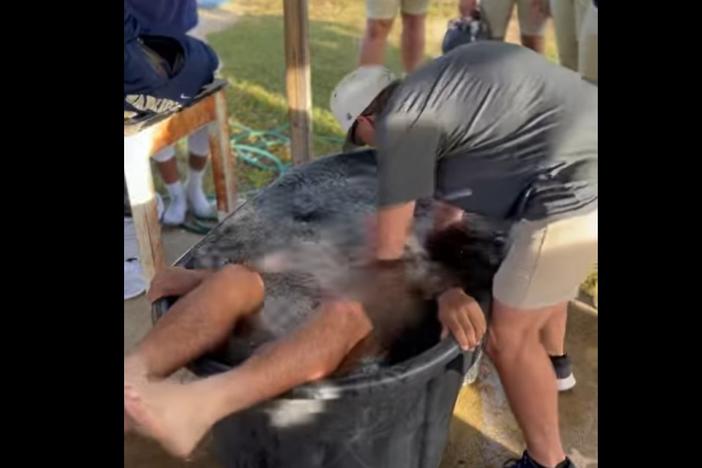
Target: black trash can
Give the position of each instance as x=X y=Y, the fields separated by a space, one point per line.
x=397 y=416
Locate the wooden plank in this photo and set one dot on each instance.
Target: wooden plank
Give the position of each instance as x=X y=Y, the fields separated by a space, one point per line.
x=135 y=125
x=297 y=79
x=223 y=159
x=142 y=198
x=180 y=125
x=148 y=231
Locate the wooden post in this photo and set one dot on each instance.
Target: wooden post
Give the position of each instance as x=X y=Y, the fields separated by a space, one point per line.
x=223 y=162
x=142 y=198
x=297 y=79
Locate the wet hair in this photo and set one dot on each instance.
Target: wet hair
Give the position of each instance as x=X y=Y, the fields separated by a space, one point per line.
x=399 y=297
x=472 y=258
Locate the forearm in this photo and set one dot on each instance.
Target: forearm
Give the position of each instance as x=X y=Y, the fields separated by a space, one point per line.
x=392 y=229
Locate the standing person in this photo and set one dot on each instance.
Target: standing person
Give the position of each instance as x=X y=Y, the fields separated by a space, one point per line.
x=575 y=22
x=587 y=53
x=568 y=18
x=497 y=13
x=177 y=17
x=493 y=129
x=380 y=16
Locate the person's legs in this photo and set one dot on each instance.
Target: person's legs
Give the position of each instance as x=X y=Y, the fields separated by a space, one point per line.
x=497 y=14
x=527 y=376
x=588 y=45
x=178 y=415
x=374 y=41
x=168 y=168
x=542 y=271
x=532 y=23
x=413 y=32
x=196 y=323
x=412 y=41
x=554 y=332
x=564 y=23
x=198 y=149
x=553 y=339
x=380 y=15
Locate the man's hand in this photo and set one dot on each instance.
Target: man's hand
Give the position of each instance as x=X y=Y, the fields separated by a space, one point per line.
x=174 y=281
x=462 y=315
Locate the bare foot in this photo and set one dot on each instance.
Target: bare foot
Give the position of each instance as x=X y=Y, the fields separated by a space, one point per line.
x=134 y=370
x=168 y=412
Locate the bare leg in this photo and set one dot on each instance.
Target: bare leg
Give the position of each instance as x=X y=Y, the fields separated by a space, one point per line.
x=179 y=415
x=197 y=162
x=535 y=43
x=197 y=200
x=197 y=323
x=527 y=376
x=169 y=171
x=374 y=41
x=554 y=332
x=412 y=41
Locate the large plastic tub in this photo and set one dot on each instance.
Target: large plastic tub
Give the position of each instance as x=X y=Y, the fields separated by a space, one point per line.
x=395 y=416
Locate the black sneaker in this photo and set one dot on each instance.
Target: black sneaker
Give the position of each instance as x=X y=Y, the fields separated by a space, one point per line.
x=564 y=372
x=527 y=462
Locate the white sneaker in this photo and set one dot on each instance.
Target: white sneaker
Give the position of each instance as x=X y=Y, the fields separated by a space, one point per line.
x=175 y=212
x=134 y=283
x=159 y=205
x=200 y=206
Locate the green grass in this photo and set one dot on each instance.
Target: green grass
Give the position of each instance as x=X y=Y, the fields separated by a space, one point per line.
x=252 y=53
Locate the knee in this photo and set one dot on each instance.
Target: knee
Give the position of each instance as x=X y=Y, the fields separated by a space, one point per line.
x=239 y=278
x=504 y=341
x=378 y=29
x=413 y=24
x=348 y=319
x=348 y=324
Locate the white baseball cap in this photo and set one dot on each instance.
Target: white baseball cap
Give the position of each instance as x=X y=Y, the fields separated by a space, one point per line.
x=356 y=91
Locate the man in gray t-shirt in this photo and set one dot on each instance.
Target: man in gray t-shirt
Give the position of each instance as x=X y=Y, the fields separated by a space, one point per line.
x=498 y=130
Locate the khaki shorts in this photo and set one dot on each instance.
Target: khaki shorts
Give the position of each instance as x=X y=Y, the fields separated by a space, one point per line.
x=547 y=262
x=587 y=57
x=568 y=16
x=532 y=16
x=387 y=9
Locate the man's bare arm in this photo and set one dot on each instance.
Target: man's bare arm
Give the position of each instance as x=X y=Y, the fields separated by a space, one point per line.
x=392 y=229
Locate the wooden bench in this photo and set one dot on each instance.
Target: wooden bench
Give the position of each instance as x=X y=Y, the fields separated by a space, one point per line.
x=146 y=136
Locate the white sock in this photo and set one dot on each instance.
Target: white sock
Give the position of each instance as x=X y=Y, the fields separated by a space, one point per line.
x=199 y=204
x=177 y=206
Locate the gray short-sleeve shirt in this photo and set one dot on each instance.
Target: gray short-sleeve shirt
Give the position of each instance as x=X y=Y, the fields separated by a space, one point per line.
x=495 y=129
